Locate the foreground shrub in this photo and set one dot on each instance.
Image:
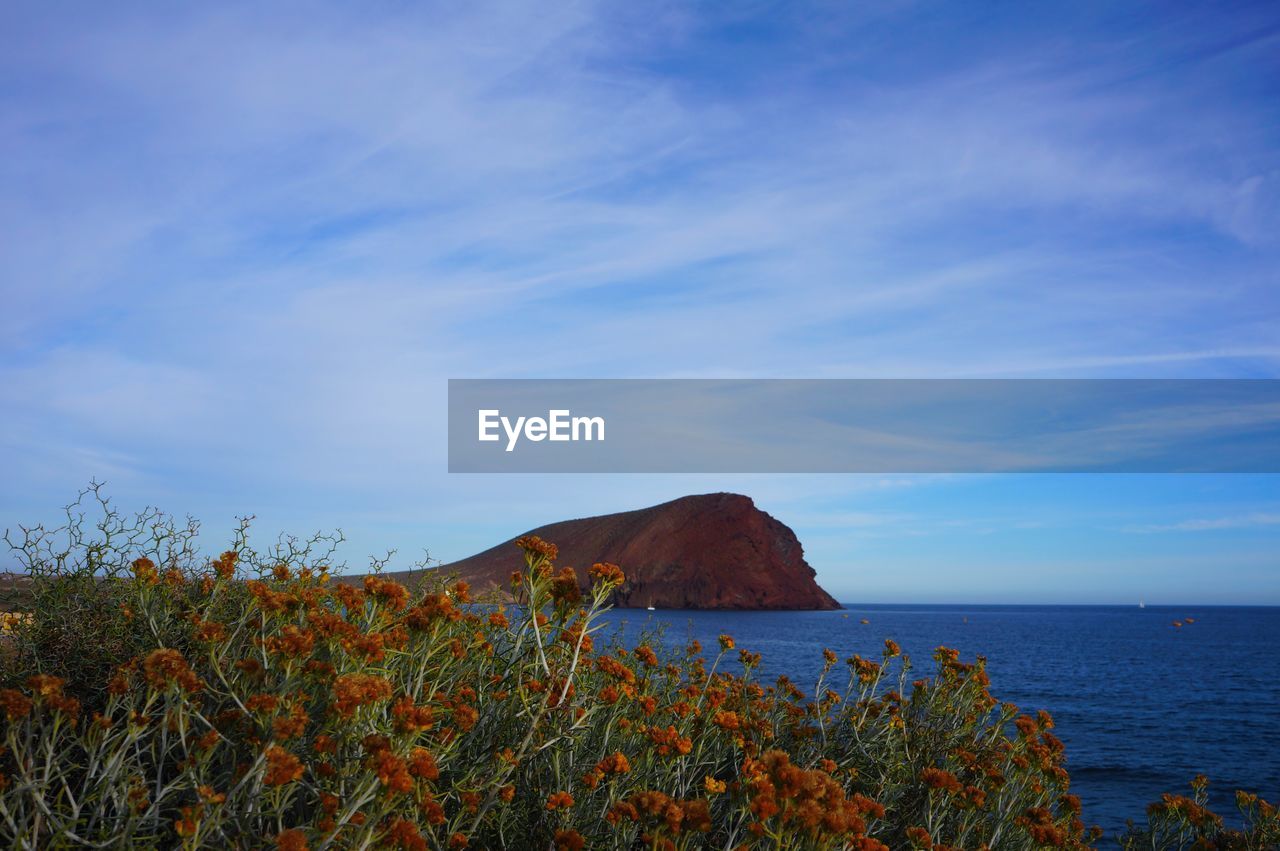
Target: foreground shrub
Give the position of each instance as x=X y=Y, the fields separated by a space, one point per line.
x=1176 y=821
x=85 y=621
x=258 y=702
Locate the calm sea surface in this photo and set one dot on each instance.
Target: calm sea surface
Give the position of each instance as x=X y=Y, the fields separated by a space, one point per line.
x=1142 y=706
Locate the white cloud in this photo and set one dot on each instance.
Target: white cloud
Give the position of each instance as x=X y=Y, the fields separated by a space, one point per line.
x=1211 y=524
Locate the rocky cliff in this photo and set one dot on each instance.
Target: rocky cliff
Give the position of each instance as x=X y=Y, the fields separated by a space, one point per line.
x=713 y=551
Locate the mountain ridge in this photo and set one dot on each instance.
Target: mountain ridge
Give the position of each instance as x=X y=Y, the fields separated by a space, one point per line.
x=703 y=551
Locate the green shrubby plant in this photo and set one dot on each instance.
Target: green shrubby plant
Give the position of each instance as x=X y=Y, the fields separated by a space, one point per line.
x=256 y=700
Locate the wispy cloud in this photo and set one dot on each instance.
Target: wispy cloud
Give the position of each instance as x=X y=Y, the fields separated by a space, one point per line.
x=1211 y=524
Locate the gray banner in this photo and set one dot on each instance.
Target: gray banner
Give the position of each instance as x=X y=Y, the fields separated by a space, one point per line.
x=863 y=425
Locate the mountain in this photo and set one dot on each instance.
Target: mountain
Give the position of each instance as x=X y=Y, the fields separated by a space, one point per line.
x=712 y=551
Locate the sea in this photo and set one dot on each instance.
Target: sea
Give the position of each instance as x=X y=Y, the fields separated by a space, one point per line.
x=1142 y=705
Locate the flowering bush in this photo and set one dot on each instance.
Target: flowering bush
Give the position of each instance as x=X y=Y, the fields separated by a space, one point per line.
x=262 y=702
x=1176 y=821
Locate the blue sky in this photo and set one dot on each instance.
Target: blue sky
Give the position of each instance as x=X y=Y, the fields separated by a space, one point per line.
x=244 y=247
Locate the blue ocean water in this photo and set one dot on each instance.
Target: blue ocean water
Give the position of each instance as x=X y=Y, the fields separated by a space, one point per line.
x=1141 y=705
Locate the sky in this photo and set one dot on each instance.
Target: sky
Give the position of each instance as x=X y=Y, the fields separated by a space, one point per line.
x=243 y=247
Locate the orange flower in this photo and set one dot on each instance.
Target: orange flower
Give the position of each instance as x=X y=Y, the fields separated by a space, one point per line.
x=225 y=564
x=565 y=588
x=404 y=834
x=937 y=778
x=392 y=772
x=209 y=796
x=606 y=573
x=568 y=840
x=145 y=571
x=614 y=763
x=369 y=646
x=45 y=685
x=409 y=717
x=726 y=643
x=669 y=741
x=866 y=670
x=433 y=607
x=465 y=717
x=919 y=837
x=422 y=763
x=270 y=600
x=165 y=667
x=375 y=744
x=210 y=631
x=329 y=803
x=291 y=840
x=327 y=624
x=189 y=822
x=251 y=667
x=432 y=812
x=351 y=691
x=293 y=642
x=292 y=724
x=282 y=767
x=559 y=801
x=1038 y=822
x=726 y=720
x=535 y=548
x=387 y=591
x=616 y=669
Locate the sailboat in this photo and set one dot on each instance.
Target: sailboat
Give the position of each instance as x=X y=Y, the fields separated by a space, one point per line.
x=1142 y=604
